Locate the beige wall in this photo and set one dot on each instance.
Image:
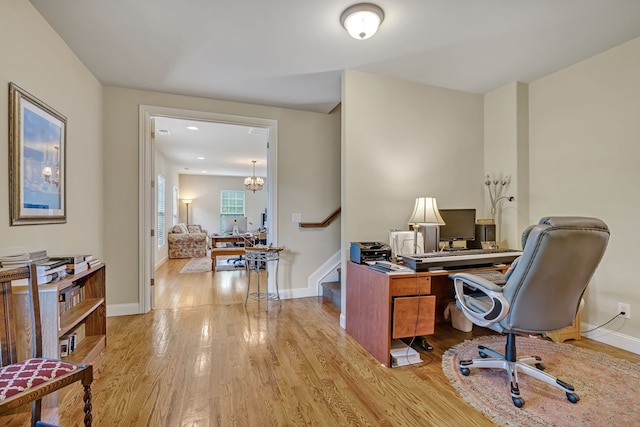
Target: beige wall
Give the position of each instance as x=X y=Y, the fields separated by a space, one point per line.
x=37 y=60
x=205 y=191
x=403 y=140
x=308 y=182
x=584 y=137
x=506 y=151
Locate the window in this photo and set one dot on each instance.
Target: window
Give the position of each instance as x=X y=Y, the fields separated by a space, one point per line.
x=232 y=202
x=175 y=205
x=161 y=225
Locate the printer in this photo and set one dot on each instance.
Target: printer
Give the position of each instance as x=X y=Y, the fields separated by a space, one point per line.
x=363 y=252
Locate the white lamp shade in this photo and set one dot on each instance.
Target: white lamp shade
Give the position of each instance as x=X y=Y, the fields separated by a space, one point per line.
x=426 y=212
x=362 y=20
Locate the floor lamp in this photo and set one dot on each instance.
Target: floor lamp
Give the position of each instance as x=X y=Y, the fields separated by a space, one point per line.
x=425 y=213
x=187 y=202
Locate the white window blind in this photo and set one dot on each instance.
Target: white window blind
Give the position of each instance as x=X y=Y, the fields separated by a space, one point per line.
x=175 y=205
x=160 y=231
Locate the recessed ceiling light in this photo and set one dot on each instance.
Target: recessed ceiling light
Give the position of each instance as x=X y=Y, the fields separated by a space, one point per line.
x=204 y=171
x=192 y=127
x=200 y=158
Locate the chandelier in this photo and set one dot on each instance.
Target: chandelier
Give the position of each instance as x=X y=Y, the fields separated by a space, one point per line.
x=253 y=183
x=47 y=172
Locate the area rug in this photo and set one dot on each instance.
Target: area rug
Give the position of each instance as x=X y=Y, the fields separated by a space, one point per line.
x=197 y=265
x=609 y=388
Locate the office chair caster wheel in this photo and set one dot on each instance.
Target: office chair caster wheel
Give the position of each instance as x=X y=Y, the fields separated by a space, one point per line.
x=467 y=371
x=541 y=366
x=519 y=402
x=573 y=398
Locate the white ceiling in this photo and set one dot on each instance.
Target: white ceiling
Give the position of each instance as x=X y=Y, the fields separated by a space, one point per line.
x=212 y=148
x=291 y=53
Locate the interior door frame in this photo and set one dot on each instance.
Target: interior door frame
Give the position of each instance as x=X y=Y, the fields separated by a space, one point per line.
x=146 y=221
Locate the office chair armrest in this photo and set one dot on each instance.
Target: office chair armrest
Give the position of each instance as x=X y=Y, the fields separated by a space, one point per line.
x=487 y=309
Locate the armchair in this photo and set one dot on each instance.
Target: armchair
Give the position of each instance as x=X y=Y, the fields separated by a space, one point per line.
x=542 y=293
x=187 y=241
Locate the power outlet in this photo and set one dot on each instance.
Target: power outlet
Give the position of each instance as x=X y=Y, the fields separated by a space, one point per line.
x=626 y=308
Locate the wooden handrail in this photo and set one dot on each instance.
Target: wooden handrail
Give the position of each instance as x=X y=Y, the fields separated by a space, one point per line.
x=328 y=220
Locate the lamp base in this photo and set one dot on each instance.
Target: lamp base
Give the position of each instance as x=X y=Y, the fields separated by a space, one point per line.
x=431 y=235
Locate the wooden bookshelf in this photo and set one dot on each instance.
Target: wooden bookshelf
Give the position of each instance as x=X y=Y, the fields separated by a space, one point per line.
x=88 y=315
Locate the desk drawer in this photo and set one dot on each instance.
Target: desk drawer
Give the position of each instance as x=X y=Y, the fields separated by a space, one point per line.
x=407 y=311
x=405 y=286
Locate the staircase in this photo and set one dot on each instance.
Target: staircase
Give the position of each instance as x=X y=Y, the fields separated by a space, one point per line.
x=331 y=291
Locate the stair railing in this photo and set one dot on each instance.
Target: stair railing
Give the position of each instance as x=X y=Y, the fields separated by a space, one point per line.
x=328 y=220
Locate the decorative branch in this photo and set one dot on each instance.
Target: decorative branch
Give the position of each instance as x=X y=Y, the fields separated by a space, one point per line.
x=496 y=187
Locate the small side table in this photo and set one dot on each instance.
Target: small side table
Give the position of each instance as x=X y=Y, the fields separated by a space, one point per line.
x=258 y=257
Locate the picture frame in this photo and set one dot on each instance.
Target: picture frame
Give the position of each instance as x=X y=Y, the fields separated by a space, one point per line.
x=37 y=160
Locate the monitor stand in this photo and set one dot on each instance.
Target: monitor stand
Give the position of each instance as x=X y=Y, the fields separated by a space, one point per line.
x=450 y=247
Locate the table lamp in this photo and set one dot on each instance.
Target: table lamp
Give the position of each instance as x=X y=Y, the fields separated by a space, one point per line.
x=425 y=213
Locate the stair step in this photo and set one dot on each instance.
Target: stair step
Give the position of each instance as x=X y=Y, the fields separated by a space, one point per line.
x=332 y=292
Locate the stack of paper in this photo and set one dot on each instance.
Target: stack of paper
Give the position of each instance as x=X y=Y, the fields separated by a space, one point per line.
x=402 y=354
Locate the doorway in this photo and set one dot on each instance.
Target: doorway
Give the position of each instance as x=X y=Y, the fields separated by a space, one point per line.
x=147 y=218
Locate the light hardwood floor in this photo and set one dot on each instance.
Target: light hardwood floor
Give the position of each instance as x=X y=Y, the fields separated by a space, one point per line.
x=200 y=358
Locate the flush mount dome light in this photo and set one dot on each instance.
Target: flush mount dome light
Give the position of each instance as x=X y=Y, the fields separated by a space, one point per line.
x=362 y=20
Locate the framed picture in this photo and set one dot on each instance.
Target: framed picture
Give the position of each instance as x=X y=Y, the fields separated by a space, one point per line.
x=37 y=142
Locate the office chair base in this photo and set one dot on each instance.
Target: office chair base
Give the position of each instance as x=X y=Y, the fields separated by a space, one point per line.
x=530 y=365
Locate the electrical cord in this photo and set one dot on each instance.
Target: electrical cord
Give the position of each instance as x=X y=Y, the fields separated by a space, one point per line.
x=604 y=324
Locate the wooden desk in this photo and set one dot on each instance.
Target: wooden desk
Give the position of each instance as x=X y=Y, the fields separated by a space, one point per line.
x=382 y=307
x=225 y=239
x=214 y=239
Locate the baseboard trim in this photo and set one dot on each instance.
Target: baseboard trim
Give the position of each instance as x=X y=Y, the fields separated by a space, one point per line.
x=123 y=309
x=613 y=338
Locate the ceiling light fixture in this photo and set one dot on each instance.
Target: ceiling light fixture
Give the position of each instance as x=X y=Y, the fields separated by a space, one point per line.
x=253 y=183
x=362 y=20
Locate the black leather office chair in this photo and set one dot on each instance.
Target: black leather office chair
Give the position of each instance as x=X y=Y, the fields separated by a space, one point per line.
x=543 y=293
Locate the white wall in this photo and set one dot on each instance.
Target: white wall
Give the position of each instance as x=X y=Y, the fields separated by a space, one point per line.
x=404 y=140
x=37 y=60
x=308 y=182
x=584 y=151
x=205 y=192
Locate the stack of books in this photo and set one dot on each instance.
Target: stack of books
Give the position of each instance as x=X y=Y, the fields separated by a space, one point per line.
x=19 y=260
x=50 y=270
x=402 y=354
x=75 y=264
x=91 y=261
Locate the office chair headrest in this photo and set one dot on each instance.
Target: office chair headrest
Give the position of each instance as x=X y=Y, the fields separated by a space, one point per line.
x=568 y=222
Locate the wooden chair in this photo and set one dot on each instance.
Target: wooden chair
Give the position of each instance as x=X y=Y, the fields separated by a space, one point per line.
x=30 y=380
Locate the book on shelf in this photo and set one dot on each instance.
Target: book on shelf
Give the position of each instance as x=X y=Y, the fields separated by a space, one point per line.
x=72 y=340
x=69 y=298
x=70 y=259
x=64 y=346
x=49 y=264
x=77 y=267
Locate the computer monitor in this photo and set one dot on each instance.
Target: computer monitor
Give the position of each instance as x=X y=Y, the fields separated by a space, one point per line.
x=230 y=224
x=460 y=225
